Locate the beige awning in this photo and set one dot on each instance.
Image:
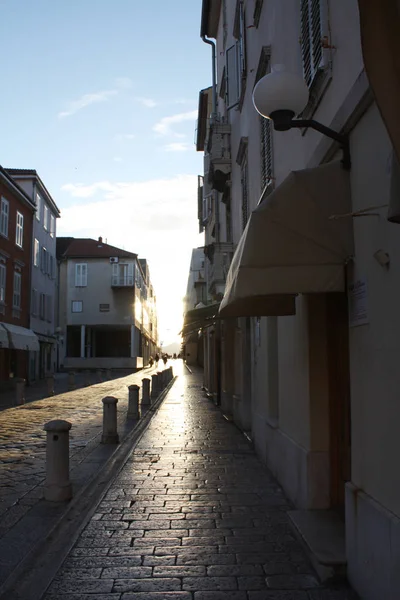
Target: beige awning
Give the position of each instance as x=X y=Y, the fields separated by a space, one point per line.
x=3 y=337
x=291 y=245
x=21 y=338
x=200 y=317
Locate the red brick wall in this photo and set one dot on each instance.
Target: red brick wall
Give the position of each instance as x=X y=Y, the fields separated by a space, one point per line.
x=14 y=253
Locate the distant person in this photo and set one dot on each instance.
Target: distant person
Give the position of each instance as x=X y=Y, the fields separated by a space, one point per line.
x=165 y=358
x=157 y=357
x=151 y=361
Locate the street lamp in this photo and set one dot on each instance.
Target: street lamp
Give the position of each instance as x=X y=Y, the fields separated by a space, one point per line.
x=281 y=95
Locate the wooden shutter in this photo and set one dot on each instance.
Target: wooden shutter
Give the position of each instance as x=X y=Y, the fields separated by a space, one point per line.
x=232 y=75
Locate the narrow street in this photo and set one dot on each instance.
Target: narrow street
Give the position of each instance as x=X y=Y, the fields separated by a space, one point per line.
x=192 y=515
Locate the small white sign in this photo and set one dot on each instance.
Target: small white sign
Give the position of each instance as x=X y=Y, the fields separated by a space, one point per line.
x=358 y=297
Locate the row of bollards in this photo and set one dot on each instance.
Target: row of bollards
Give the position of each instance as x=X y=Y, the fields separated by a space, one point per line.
x=57 y=487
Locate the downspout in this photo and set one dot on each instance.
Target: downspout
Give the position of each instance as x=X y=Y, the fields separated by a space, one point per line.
x=213 y=117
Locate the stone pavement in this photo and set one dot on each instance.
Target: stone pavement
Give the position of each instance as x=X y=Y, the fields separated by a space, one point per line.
x=192 y=515
x=24 y=516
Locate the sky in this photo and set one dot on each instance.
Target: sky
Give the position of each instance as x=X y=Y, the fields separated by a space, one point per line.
x=100 y=97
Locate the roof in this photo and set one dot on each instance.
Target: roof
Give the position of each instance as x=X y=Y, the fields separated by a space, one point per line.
x=210 y=12
x=88 y=248
x=33 y=174
x=15 y=188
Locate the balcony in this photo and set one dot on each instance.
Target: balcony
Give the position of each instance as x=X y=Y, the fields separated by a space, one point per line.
x=122 y=281
x=218 y=267
x=219 y=149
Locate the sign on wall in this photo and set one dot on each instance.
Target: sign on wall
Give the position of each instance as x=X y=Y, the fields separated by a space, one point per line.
x=358 y=303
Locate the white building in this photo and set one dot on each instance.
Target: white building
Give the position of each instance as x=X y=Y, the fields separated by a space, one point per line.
x=43 y=272
x=311 y=301
x=107 y=308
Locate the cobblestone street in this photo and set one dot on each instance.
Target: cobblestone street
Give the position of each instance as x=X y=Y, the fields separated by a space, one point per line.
x=192 y=515
x=23 y=440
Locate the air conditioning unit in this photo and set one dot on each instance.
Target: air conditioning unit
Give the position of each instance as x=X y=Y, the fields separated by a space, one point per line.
x=113 y=259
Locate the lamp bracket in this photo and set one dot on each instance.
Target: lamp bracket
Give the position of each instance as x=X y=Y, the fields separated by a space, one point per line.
x=283 y=121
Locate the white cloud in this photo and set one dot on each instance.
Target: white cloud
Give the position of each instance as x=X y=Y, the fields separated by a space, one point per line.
x=86 y=100
x=177 y=147
x=156 y=218
x=164 y=126
x=148 y=102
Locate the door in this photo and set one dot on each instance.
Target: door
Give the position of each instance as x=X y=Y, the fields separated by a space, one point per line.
x=339 y=396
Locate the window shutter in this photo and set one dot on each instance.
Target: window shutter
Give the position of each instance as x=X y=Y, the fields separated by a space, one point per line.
x=232 y=75
x=311 y=34
x=84 y=275
x=130 y=274
x=2 y=283
x=245 y=194
x=266 y=153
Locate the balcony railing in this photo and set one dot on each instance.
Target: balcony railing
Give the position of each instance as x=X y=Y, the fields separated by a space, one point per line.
x=122 y=281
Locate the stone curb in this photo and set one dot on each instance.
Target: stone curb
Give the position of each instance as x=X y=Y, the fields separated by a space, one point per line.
x=30 y=579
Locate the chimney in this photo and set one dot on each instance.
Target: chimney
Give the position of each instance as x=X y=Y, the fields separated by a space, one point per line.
x=100 y=240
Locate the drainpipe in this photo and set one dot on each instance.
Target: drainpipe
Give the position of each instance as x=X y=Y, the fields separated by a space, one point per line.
x=213 y=117
x=214 y=76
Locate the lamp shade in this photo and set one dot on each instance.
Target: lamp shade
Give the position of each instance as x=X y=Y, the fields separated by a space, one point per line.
x=280 y=90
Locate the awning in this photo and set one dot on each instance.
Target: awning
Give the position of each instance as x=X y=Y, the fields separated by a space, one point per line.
x=3 y=337
x=21 y=338
x=291 y=245
x=199 y=317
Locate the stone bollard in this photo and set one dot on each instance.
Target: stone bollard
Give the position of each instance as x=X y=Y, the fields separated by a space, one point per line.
x=19 y=391
x=110 y=434
x=171 y=373
x=133 y=402
x=71 y=381
x=50 y=385
x=146 y=399
x=57 y=486
x=154 y=385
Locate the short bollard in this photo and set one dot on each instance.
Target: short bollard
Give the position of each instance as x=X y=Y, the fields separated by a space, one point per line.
x=50 y=385
x=171 y=373
x=57 y=486
x=133 y=402
x=110 y=434
x=20 y=391
x=146 y=392
x=154 y=385
x=163 y=378
x=71 y=381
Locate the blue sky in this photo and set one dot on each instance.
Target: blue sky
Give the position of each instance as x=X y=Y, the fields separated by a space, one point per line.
x=100 y=97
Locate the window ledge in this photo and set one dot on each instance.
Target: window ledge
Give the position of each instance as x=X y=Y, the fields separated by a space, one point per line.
x=317 y=90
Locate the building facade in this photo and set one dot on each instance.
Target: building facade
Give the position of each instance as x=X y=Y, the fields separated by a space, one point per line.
x=195 y=302
x=43 y=279
x=308 y=322
x=106 y=307
x=16 y=226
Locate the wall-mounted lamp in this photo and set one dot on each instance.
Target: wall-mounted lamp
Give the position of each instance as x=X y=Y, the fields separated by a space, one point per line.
x=281 y=95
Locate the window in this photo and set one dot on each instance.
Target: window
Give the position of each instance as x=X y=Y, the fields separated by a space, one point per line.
x=311 y=39
x=122 y=274
x=5 y=209
x=36 y=253
x=49 y=308
x=3 y=273
x=257 y=12
x=42 y=306
x=34 y=306
x=38 y=206
x=17 y=290
x=81 y=275
x=52 y=225
x=19 y=232
x=236 y=60
x=104 y=307
x=44 y=263
x=52 y=267
x=46 y=217
x=76 y=306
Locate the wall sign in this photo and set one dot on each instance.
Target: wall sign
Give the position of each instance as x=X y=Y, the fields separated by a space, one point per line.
x=358 y=300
